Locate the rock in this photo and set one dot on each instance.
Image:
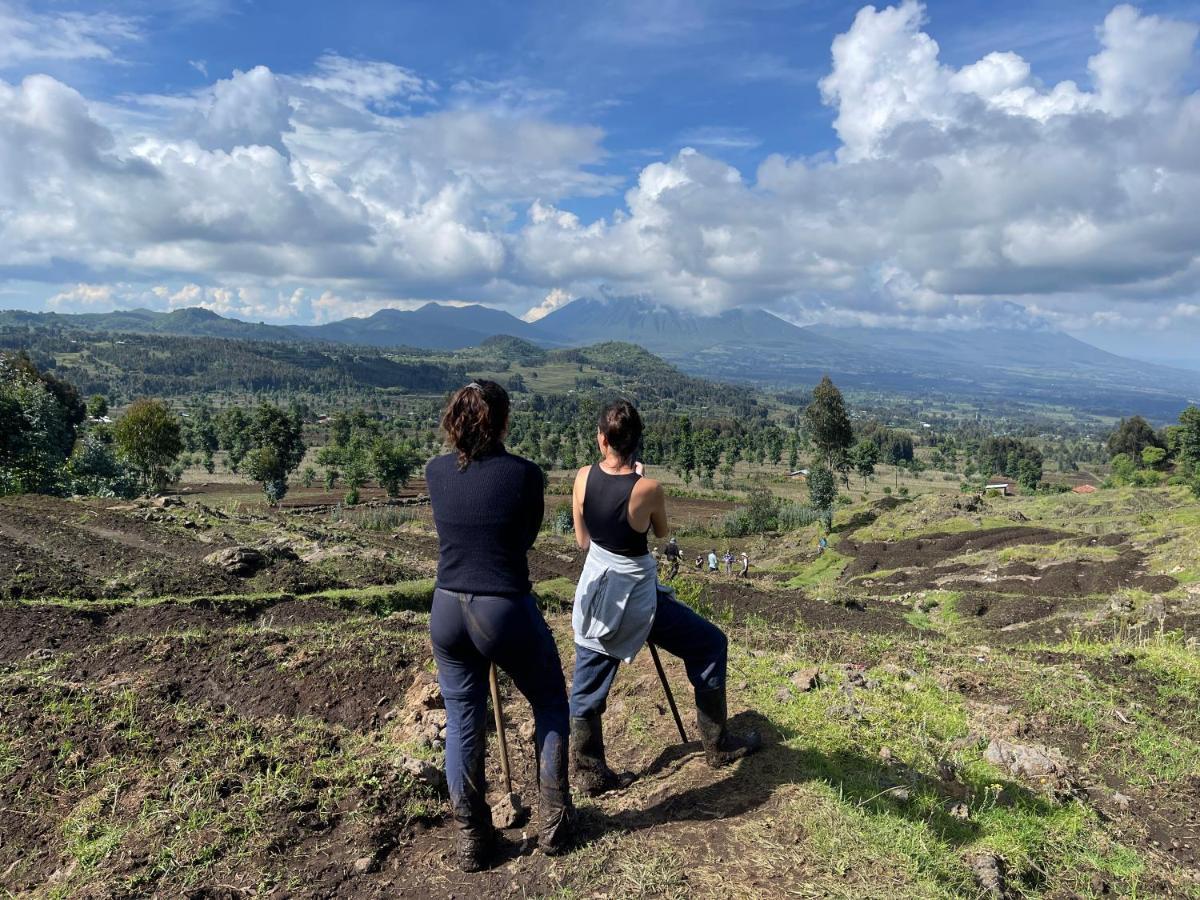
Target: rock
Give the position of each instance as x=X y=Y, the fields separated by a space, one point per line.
x=989 y=871
x=960 y=810
x=886 y=755
x=808 y=679
x=422 y=770
x=165 y=502
x=1120 y=801
x=1029 y=761
x=527 y=730
x=424 y=693
x=784 y=694
x=241 y=562
x=365 y=864
x=508 y=811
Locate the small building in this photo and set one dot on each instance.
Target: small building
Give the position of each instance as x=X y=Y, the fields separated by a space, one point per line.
x=1003 y=486
x=799 y=473
x=1084 y=489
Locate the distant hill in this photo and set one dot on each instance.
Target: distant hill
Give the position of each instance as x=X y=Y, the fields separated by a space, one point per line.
x=190 y=322
x=1000 y=365
x=432 y=326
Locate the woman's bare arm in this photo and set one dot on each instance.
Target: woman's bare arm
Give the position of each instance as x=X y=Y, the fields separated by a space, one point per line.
x=648 y=505
x=582 y=538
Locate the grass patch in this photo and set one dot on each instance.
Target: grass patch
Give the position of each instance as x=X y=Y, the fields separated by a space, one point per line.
x=825 y=569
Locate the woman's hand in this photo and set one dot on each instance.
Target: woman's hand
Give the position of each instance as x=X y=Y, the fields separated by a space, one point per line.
x=639 y=467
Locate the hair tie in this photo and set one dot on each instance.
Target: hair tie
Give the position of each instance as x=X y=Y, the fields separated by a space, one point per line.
x=476 y=385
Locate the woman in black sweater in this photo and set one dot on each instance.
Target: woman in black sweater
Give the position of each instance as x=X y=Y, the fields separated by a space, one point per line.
x=487 y=506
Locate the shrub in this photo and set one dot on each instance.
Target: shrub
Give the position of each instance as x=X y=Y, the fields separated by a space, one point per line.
x=563 y=522
x=794 y=516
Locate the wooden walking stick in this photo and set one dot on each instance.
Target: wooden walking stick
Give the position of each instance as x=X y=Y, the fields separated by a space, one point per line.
x=509 y=810
x=662 y=676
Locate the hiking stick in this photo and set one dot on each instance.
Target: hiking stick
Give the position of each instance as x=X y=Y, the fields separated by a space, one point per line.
x=503 y=741
x=662 y=676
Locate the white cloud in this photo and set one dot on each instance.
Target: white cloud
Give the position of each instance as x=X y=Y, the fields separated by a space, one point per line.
x=556 y=299
x=27 y=36
x=91 y=297
x=956 y=194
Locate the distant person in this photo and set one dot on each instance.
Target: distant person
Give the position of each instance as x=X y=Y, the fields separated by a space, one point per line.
x=822 y=545
x=699 y=561
x=657 y=558
x=712 y=561
x=745 y=572
x=673 y=555
x=619 y=605
x=487 y=507
x=728 y=560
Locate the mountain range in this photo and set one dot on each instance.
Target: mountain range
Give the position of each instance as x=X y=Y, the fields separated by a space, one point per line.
x=750 y=345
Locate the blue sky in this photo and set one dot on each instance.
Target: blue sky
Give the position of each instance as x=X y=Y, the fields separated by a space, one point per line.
x=940 y=165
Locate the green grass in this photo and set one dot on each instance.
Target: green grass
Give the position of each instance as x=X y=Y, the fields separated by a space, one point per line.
x=825 y=569
x=853 y=825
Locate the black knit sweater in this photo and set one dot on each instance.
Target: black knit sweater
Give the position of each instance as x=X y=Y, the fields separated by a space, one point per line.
x=487 y=517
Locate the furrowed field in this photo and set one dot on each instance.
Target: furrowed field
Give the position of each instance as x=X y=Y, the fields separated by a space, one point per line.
x=964 y=696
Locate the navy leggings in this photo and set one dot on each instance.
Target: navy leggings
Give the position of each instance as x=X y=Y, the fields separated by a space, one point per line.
x=677 y=629
x=469 y=631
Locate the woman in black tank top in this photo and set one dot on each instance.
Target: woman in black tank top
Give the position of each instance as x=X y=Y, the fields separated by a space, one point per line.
x=619 y=605
x=606 y=513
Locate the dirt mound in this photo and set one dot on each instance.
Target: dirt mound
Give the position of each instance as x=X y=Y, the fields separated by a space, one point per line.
x=556 y=563
x=788 y=608
x=26 y=629
x=1076 y=578
x=292 y=613
x=931 y=549
x=923 y=563
x=162 y=618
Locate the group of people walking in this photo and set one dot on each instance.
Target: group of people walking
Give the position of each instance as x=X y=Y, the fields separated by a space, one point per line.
x=488 y=507
x=668 y=561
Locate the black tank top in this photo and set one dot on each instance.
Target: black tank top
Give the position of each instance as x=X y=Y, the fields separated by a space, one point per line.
x=606 y=513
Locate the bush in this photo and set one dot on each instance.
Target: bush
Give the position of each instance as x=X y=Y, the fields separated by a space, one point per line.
x=563 y=522
x=794 y=516
x=94 y=469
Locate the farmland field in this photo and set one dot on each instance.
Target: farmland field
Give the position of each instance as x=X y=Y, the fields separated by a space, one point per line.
x=959 y=685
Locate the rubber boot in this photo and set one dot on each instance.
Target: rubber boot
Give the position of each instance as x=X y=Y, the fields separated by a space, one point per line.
x=555 y=814
x=556 y=818
x=592 y=774
x=720 y=747
x=473 y=817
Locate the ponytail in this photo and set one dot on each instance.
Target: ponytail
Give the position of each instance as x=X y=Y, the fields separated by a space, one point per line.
x=475 y=420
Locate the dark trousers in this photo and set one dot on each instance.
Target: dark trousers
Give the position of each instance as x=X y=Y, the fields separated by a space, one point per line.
x=469 y=631
x=677 y=629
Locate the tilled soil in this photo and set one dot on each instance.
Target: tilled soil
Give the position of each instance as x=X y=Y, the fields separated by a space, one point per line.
x=96 y=549
x=921 y=563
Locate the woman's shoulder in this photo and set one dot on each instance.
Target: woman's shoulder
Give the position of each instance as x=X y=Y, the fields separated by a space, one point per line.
x=648 y=486
x=441 y=463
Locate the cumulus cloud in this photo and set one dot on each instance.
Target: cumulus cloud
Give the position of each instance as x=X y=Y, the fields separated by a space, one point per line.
x=556 y=299
x=956 y=194
x=953 y=192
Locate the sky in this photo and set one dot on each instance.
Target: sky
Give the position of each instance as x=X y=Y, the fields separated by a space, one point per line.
x=935 y=166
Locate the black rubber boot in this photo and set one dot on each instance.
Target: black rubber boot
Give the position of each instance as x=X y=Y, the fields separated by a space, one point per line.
x=720 y=747
x=556 y=818
x=555 y=814
x=476 y=836
x=476 y=844
x=592 y=774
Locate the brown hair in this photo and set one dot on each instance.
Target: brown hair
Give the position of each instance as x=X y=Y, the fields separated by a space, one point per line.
x=475 y=419
x=622 y=428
